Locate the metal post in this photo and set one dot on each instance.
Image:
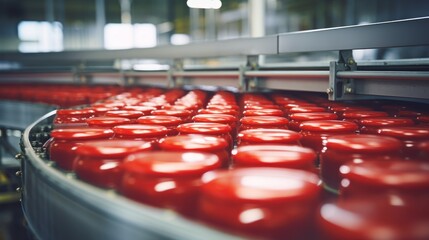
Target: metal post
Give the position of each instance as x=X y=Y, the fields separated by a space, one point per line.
x=100 y=21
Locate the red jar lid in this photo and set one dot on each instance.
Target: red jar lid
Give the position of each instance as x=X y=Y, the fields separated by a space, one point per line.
x=363 y=114
x=408 y=113
x=140 y=130
x=193 y=143
x=264 y=112
x=112 y=148
x=423 y=119
x=132 y=114
x=260 y=185
x=349 y=108
x=75 y=112
x=215 y=118
x=364 y=143
x=328 y=126
x=160 y=120
x=264 y=120
x=81 y=133
x=146 y=110
x=171 y=164
x=102 y=110
x=204 y=128
x=305 y=109
x=275 y=156
x=406 y=133
x=263 y=135
x=299 y=104
x=218 y=111
x=261 y=107
x=366 y=217
x=107 y=121
x=313 y=116
x=386 y=121
x=407 y=175
x=176 y=113
x=222 y=106
x=109 y=104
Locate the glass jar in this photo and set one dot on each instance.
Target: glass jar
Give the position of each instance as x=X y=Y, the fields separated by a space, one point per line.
x=297 y=118
x=410 y=138
x=167 y=179
x=151 y=133
x=208 y=129
x=396 y=177
x=264 y=136
x=256 y=122
x=62 y=145
x=267 y=203
x=107 y=122
x=341 y=149
x=169 y=122
x=198 y=143
x=372 y=125
x=314 y=133
x=100 y=162
x=281 y=156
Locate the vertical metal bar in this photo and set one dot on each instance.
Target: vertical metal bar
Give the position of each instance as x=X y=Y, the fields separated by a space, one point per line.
x=100 y=21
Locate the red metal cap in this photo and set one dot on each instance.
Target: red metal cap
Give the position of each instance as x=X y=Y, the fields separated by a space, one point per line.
x=406 y=133
x=264 y=112
x=160 y=120
x=193 y=143
x=107 y=121
x=112 y=148
x=386 y=121
x=364 y=143
x=264 y=135
x=313 y=116
x=204 y=128
x=81 y=133
x=398 y=174
x=328 y=126
x=264 y=120
x=131 y=114
x=139 y=130
x=215 y=118
x=171 y=164
x=275 y=156
x=260 y=185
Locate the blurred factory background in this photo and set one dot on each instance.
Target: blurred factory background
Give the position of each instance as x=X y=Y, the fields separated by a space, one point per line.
x=57 y=25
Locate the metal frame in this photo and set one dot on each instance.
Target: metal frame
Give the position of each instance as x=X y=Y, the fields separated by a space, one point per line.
x=343 y=79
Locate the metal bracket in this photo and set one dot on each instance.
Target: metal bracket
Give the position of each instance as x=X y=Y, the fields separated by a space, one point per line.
x=176 y=66
x=341 y=89
x=252 y=64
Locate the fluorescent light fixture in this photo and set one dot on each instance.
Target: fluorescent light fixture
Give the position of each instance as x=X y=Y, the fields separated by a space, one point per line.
x=180 y=39
x=150 y=67
x=205 y=4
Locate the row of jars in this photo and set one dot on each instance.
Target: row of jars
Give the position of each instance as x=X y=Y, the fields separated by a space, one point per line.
x=270 y=172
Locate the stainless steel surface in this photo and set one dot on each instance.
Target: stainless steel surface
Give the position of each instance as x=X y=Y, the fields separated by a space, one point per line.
x=231 y=47
x=387 y=75
x=401 y=33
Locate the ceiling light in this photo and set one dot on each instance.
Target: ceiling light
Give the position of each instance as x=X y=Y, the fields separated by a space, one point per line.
x=205 y=4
